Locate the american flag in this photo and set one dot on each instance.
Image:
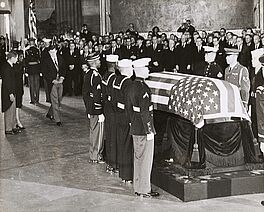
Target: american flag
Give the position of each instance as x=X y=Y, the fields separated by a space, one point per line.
x=195 y=98
x=32 y=20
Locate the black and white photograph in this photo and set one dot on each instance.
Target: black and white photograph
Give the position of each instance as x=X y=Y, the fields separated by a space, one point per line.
x=131 y=105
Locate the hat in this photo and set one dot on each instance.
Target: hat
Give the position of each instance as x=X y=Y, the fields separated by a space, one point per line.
x=230 y=51
x=257 y=53
x=184 y=21
x=112 y=58
x=140 y=63
x=46 y=40
x=261 y=59
x=31 y=39
x=140 y=38
x=125 y=63
x=93 y=57
x=210 y=49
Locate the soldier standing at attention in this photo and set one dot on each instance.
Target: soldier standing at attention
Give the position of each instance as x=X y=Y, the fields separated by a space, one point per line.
x=237 y=75
x=121 y=85
x=140 y=110
x=110 y=122
x=92 y=95
x=210 y=68
x=32 y=59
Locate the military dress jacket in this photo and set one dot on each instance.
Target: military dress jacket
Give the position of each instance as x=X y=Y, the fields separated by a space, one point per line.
x=140 y=108
x=92 y=92
x=239 y=76
x=32 y=60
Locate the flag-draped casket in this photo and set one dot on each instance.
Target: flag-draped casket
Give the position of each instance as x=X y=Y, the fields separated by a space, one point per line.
x=190 y=100
x=195 y=98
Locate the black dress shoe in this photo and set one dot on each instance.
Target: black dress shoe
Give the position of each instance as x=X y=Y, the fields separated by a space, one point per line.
x=262 y=203
x=16 y=130
x=148 y=195
x=21 y=128
x=59 y=123
x=9 y=132
x=49 y=117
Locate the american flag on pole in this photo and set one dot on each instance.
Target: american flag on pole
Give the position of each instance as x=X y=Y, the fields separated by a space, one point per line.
x=32 y=20
x=195 y=98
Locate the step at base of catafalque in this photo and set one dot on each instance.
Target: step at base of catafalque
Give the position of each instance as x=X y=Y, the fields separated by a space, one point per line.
x=223 y=184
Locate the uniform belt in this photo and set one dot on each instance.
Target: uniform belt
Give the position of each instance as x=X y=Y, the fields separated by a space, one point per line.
x=137 y=109
x=120 y=105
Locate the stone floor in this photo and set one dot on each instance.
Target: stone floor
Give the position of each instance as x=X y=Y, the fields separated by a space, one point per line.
x=46 y=169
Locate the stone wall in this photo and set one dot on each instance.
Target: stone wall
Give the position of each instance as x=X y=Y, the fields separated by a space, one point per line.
x=168 y=14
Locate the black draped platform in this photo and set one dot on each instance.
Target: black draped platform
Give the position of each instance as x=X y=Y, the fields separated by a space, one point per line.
x=227 y=162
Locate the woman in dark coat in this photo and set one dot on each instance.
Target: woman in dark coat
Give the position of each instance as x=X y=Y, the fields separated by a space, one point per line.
x=19 y=73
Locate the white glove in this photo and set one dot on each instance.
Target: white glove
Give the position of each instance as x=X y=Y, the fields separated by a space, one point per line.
x=262 y=147
x=150 y=136
x=155 y=63
x=219 y=75
x=188 y=67
x=88 y=116
x=101 y=118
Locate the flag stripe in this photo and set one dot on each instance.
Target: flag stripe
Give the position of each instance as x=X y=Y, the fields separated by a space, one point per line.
x=32 y=22
x=164 y=100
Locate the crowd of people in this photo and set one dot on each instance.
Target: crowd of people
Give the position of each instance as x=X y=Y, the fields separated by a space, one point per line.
x=109 y=72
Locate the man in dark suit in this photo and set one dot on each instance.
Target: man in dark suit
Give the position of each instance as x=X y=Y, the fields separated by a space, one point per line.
x=54 y=72
x=257 y=43
x=154 y=52
x=114 y=49
x=199 y=55
x=140 y=49
x=222 y=40
x=185 y=56
x=128 y=50
x=220 y=54
x=8 y=94
x=72 y=80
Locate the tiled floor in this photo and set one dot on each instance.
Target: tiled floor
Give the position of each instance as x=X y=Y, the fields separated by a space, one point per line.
x=46 y=168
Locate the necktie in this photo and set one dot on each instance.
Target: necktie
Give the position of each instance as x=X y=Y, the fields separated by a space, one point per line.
x=55 y=63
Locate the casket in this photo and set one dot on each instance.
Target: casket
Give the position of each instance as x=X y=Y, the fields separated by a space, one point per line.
x=204 y=121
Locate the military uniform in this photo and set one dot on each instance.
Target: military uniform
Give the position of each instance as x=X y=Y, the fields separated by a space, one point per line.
x=92 y=95
x=140 y=111
x=259 y=94
x=32 y=60
x=110 y=121
x=238 y=75
x=124 y=139
x=212 y=70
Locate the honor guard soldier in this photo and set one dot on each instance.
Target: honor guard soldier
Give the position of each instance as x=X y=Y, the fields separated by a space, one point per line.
x=110 y=121
x=259 y=93
x=32 y=60
x=92 y=95
x=237 y=75
x=121 y=85
x=140 y=110
x=210 y=68
x=256 y=54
